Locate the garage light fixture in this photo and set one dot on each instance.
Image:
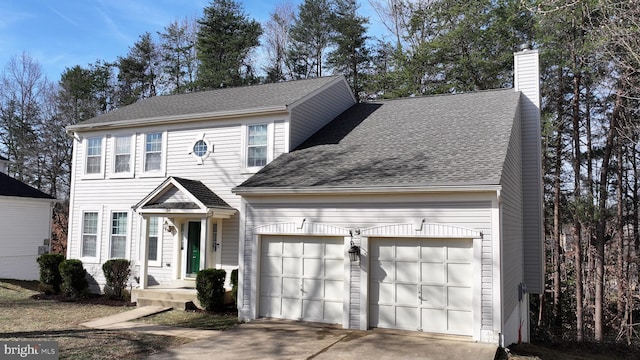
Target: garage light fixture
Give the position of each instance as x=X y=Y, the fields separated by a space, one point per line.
x=354 y=252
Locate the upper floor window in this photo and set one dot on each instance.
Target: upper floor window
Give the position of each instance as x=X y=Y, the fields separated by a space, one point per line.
x=153 y=152
x=122 y=155
x=93 y=161
x=118 y=234
x=257 y=141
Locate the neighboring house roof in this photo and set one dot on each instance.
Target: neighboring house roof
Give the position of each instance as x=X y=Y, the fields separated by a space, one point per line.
x=444 y=140
x=2 y=158
x=227 y=101
x=12 y=187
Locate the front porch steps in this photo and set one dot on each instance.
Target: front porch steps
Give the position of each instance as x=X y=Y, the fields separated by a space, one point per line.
x=180 y=295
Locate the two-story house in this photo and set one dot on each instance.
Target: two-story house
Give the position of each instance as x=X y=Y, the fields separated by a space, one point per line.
x=416 y=214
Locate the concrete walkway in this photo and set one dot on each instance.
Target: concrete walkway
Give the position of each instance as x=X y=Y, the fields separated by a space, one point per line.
x=123 y=321
x=282 y=339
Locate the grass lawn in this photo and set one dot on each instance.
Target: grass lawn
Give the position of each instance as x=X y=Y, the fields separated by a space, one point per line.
x=24 y=318
x=193 y=319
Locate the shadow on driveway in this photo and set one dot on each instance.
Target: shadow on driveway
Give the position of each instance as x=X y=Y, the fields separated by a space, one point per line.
x=278 y=339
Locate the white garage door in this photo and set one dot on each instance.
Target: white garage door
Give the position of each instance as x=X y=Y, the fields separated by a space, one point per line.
x=422 y=284
x=301 y=278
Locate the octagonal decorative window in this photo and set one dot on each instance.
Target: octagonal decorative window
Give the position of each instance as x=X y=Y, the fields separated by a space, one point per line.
x=200 y=149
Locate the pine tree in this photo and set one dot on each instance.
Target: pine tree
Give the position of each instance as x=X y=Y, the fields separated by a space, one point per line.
x=225 y=39
x=310 y=38
x=351 y=53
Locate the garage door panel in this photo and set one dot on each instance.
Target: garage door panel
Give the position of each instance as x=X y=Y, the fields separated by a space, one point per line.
x=406 y=294
x=458 y=297
x=290 y=266
x=291 y=308
x=407 y=249
x=333 y=290
x=458 y=250
x=272 y=286
x=386 y=293
x=272 y=249
x=434 y=252
x=434 y=320
x=334 y=251
x=271 y=265
x=433 y=296
x=313 y=267
x=312 y=310
x=459 y=321
x=407 y=317
x=291 y=249
x=313 y=248
x=408 y=271
x=334 y=268
x=433 y=273
x=290 y=287
x=333 y=311
x=423 y=284
x=270 y=306
x=383 y=270
x=458 y=274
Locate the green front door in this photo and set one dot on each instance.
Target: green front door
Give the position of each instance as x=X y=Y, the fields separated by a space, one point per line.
x=193 y=248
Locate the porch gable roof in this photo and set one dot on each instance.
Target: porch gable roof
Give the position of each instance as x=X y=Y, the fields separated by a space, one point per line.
x=177 y=194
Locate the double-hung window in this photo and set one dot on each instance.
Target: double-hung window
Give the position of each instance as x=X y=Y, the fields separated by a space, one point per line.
x=93 y=160
x=118 y=234
x=89 y=234
x=257 y=142
x=122 y=164
x=154 y=241
x=153 y=152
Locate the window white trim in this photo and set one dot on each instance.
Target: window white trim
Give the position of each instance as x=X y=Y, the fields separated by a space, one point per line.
x=192 y=151
x=163 y=155
x=160 y=235
x=98 y=234
x=245 y=146
x=132 y=157
x=85 y=158
x=126 y=234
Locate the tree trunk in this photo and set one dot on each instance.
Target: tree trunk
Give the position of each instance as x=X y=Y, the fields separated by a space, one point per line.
x=600 y=238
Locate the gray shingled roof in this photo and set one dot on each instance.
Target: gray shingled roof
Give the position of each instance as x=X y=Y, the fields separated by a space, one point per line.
x=426 y=141
x=202 y=193
x=219 y=100
x=12 y=187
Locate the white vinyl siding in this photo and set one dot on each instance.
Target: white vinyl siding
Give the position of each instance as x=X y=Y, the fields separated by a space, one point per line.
x=313 y=114
x=527 y=80
x=25 y=224
x=118 y=242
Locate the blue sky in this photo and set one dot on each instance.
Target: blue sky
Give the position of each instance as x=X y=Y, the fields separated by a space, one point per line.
x=63 y=33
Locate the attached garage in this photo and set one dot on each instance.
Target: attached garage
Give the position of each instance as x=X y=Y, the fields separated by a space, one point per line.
x=422 y=284
x=302 y=278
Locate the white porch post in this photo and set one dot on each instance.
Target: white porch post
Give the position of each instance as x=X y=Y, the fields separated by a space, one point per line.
x=144 y=252
x=203 y=243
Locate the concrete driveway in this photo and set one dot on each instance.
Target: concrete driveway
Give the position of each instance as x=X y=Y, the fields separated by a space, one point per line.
x=276 y=339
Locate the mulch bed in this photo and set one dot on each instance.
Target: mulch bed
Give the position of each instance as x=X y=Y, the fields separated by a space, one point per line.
x=90 y=299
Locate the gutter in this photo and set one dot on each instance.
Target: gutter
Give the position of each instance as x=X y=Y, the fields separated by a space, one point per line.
x=367 y=190
x=176 y=119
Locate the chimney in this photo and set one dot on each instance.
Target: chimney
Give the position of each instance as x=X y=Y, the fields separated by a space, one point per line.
x=527 y=80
